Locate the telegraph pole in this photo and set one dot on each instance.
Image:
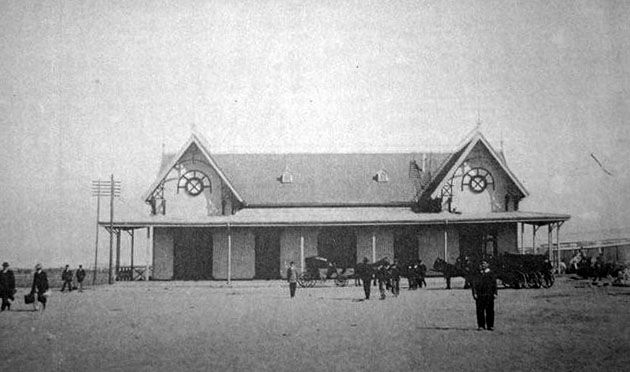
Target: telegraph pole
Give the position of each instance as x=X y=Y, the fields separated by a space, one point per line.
x=109 y=188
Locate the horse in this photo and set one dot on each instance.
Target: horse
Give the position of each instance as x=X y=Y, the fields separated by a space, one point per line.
x=450 y=271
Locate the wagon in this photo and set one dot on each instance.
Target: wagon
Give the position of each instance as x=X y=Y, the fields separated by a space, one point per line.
x=319 y=269
x=524 y=270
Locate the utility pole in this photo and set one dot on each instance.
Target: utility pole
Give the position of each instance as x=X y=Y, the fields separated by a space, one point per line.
x=109 y=188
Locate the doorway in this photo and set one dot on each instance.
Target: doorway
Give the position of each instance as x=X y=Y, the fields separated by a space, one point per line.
x=192 y=253
x=267 y=254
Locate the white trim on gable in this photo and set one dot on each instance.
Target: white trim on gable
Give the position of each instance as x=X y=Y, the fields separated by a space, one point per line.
x=475 y=138
x=194 y=139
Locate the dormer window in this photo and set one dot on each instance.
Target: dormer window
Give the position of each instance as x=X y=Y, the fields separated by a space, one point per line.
x=381 y=176
x=286 y=177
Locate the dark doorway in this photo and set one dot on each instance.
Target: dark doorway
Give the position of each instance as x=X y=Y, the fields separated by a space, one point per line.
x=338 y=245
x=192 y=253
x=267 y=254
x=405 y=246
x=477 y=244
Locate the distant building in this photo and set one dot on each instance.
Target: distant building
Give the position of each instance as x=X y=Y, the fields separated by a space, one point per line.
x=244 y=216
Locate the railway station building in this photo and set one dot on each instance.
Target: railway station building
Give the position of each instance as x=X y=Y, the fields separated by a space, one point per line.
x=246 y=216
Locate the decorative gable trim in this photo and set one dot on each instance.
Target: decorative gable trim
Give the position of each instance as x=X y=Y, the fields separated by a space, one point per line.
x=194 y=139
x=463 y=151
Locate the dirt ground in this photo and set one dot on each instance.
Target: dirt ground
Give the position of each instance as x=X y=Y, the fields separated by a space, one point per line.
x=254 y=326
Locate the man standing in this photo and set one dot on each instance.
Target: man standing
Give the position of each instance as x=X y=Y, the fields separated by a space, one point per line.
x=382 y=274
x=66 y=276
x=484 y=291
x=292 y=277
x=7 y=286
x=40 y=286
x=422 y=273
x=394 y=275
x=364 y=272
x=80 y=276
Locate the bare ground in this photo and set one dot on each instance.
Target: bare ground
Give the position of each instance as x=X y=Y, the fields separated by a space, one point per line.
x=254 y=326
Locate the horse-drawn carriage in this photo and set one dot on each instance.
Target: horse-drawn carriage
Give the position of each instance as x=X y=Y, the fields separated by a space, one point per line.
x=513 y=270
x=319 y=269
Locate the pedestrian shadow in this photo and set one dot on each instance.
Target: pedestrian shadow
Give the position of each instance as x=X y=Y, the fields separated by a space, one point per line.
x=436 y=328
x=23 y=310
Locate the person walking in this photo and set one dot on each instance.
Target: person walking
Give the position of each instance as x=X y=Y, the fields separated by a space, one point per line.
x=364 y=272
x=80 y=274
x=40 y=286
x=292 y=276
x=7 y=286
x=394 y=275
x=66 y=276
x=382 y=275
x=422 y=274
x=484 y=291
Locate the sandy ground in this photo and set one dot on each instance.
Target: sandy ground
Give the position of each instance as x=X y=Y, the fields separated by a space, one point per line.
x=254 y=326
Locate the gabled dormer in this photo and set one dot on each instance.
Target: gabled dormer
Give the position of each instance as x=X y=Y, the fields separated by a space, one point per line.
x=475 y=178
x=191 y=183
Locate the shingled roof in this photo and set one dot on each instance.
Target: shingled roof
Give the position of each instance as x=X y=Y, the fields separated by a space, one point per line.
x=325 y=179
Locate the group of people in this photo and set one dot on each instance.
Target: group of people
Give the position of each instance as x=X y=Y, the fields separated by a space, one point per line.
x=483 y=284
x=66 y=276
x=388 y=276
x=40 y=289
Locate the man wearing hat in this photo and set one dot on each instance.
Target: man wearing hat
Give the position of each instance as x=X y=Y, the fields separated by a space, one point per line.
x=40 y=286
x=7 y=286
x=484 y=291
x=66 y=276
x=364 y=272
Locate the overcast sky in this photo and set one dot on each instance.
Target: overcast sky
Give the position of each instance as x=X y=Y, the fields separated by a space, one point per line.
x=90 y=88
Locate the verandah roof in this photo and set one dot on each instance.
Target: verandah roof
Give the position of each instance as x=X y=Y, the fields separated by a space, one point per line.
x=355 y=216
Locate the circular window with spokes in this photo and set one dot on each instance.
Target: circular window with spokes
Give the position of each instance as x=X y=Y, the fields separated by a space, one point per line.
x=194 y=183
x=477 y=180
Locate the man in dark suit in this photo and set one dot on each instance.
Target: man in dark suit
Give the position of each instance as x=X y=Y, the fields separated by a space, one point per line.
x=7 y=286
x=292 y=276
x=66 y=276
x=40 y=285
x=80 y=276
x=364 y=271
x=484 y=291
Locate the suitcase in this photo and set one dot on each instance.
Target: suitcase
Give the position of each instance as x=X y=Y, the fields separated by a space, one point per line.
x=29 y=298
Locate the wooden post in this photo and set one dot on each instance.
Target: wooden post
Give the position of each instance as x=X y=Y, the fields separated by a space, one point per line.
x=150 y=232
x=373 y=246
x=558 y=245
x=132 y=242
x=445 y=244
x=522 y=238
x=98 y=214
x=117 y=253
x=534 y=228
x=302 y=263
x=229 y=262
x=110 y=279
x=550 y=242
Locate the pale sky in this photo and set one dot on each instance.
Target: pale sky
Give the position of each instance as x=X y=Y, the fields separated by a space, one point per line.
x=90 y=88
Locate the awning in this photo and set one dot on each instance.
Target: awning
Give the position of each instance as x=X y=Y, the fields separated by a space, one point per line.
x=346 y=216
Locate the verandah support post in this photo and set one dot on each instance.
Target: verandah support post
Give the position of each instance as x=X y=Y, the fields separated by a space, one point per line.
x=550 y=242
x=148 y=252
x=117 y=252
x=445 y=242
x=534 y=228
x=522 y=238
x=301 y=252
x=373 y=246
x=558 y=245
x=229 y=262
x=132 y=243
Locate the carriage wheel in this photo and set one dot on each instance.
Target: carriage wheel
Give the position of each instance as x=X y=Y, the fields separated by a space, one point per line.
x=311 y=282
x=523 y=281
x=341 y=281
x=534 y=280
x=303 y=280
x=548 y=280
